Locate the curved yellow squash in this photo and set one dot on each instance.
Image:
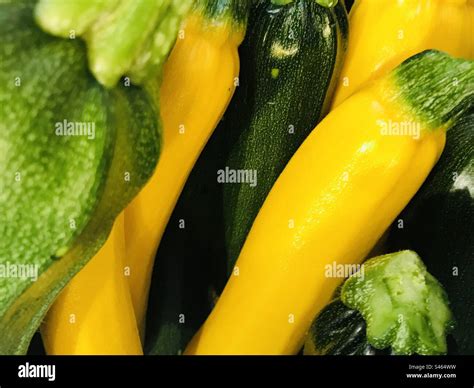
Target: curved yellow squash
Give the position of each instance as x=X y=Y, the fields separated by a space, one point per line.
x=198 y=82
x=94 y=313
x=383 y=33
x=341 y=190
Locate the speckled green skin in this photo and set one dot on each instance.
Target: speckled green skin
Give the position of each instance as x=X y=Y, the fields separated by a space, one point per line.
x=290 y=61
x=59 y=195
x=124 y=37
x=436 y=87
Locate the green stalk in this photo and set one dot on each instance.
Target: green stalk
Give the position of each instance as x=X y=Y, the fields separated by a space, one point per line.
x=404 y=306
x=124 y=37
x=436 y=87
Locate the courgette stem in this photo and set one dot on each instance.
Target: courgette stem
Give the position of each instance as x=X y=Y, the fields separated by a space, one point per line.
x=436 y=86
x=124 y=37
x=404 y=306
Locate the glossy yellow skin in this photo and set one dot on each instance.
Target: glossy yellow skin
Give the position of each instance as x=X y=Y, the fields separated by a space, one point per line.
x=198 y=83
x=338 y=194
x=94 y=313
x=383 y=33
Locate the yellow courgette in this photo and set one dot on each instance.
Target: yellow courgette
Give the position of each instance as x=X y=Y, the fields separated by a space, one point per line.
x=94 y=313
x=341 y=190
x=383 y=33
x=199 y=79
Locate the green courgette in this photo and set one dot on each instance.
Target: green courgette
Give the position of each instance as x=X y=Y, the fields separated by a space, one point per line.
x=72 y=155
x=290 y=62
x=438 y=224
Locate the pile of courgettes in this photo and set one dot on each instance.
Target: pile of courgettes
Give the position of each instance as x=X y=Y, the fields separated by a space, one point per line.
x=197 y=176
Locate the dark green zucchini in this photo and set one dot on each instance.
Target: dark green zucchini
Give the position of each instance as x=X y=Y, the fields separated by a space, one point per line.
x=290 y=62
x=438 y=224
